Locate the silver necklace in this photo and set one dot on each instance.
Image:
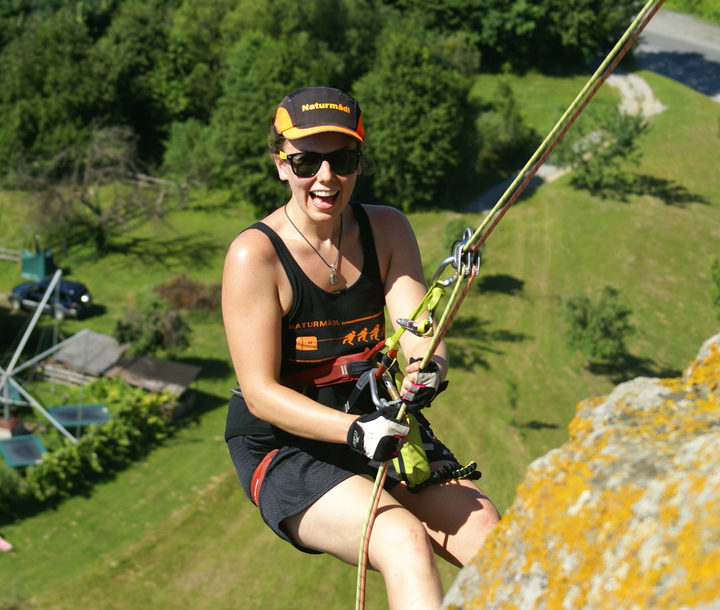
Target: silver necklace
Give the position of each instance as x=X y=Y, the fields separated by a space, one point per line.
x=333 y=272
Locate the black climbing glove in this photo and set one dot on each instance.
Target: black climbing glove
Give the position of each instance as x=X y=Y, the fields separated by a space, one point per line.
x=427 y=385
x=376 y=436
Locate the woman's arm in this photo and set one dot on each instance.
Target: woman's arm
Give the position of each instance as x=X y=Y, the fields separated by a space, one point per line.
x=401 y=268
x=252 y=314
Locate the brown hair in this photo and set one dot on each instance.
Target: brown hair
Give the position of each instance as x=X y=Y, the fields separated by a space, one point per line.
x=275 y=141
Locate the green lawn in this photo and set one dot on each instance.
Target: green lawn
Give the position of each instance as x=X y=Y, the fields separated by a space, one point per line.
x=704 y=9
x=176 y=531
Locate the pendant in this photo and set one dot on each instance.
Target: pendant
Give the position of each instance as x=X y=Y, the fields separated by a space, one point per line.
x=333 y=276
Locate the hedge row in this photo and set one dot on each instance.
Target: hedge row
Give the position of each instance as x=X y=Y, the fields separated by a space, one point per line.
x=140 y=421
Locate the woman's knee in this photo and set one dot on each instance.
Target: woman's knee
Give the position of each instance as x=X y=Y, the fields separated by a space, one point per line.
x=405 y=542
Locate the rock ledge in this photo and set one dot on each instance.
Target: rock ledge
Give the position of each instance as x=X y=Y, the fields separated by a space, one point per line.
x=625 y=514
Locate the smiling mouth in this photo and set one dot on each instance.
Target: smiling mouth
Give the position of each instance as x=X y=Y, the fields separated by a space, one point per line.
x=324 y=194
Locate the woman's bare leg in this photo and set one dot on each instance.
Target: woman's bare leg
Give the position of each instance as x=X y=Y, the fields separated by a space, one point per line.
x=400 y=548
x=458 y=517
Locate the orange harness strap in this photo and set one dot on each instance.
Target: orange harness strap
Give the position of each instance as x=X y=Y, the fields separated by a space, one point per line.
x=259 y=476
x=338 y=370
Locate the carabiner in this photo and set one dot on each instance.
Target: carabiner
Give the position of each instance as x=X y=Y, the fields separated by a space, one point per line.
x=469 y=258
x=450 y=260
x=386 y=406
x=417 y=328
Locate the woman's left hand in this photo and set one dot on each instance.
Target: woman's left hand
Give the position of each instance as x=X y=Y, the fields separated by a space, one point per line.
x=420 y=386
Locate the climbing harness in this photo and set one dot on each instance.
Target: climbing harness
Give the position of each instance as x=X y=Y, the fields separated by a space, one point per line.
x=465 y=260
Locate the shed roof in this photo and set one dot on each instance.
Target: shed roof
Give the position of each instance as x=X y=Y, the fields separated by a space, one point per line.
x=155 y=374
x=92 y=354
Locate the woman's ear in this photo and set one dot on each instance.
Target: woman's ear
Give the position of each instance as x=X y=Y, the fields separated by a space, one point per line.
x=282 y=168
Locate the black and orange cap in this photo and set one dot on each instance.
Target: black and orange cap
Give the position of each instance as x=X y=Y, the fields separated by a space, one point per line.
x=316 y=110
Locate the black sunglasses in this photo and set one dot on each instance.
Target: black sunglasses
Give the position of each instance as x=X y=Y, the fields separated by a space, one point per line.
x=307 y=164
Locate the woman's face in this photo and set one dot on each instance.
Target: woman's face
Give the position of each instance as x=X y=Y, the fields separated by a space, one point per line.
x=326 y=194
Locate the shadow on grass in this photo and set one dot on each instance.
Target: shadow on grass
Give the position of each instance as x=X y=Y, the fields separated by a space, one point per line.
x=95 y=309
x=534 y=425
x=204 y=403
x=469 y=339
x=211 y=205
x=212 y=368
x=501 y=282
x=671 y=193
x=183 y=251
x=628 y=367
x=13 y=325
x=668 y=191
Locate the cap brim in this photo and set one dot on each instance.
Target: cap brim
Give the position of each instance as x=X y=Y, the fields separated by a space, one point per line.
x=295 y=133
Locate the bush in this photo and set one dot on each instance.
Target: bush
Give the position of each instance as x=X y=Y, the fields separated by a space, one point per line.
x=599 y=327
x=505 y=140
x=13 y=490
x=140 y=421
x=155 y=327
x=183 y=293
x=186 y=151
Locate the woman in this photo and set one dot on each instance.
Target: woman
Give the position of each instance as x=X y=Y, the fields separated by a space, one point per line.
x=304 y=291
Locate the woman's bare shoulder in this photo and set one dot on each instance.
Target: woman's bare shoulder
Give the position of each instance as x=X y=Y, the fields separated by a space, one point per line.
x=386 y=220
x=382 y=212
x=251 y=246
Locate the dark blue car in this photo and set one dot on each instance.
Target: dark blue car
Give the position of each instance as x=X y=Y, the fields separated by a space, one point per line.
x=73 y=298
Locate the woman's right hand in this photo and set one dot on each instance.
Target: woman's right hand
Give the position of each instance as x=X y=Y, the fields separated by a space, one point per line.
x=377 y=437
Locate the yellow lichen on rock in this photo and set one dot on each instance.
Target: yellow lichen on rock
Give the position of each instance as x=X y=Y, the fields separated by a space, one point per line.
x=623 y=515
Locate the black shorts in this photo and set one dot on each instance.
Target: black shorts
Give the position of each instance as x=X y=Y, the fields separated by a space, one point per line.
x=304 y=470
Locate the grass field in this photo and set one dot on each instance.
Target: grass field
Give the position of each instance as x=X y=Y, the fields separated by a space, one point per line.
x=704 y=9
x=176 y=531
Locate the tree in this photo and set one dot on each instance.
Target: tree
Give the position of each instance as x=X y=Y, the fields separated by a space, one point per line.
x=47 y=85
x=126 y=58
x=505 y=140
x=69 y=65
x=186 y=76
x=599 y=327
x=418 y=119
x=152 y=328
x=550 y=35
x=231 y=150
x=95 y=191
x=599 y=157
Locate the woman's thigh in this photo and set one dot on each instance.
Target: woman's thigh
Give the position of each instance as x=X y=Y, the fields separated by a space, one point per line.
x=334 y=523
x=458 y=517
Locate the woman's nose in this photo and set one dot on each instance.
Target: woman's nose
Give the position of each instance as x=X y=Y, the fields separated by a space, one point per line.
x=325 y=172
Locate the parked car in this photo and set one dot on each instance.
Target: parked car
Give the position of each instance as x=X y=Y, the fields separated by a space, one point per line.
x=73 y=299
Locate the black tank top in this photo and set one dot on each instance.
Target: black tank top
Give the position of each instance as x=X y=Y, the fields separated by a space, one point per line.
x=321 y=325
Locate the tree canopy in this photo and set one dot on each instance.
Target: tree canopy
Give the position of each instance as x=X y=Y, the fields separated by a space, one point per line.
x=198 y=81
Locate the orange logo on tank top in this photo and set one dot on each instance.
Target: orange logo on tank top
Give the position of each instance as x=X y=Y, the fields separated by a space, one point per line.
x=306 y=344
x=362 y=335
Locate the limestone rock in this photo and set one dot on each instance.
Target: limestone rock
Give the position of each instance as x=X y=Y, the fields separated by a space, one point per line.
x=625 y=514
